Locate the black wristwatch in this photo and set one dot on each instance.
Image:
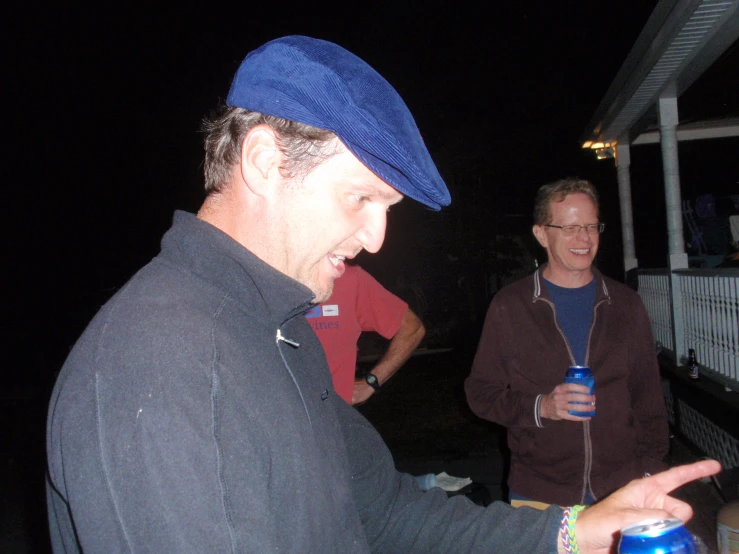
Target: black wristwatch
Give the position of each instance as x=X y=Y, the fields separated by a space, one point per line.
x=372 y=381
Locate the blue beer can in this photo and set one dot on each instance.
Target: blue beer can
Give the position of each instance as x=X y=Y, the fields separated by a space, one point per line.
x=581 y=375
x=662 y=536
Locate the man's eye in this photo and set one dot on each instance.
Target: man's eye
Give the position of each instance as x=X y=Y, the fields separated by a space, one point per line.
x=571 y=228
x=358 y=198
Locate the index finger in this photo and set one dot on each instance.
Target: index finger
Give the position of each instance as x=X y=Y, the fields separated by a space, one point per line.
x=678 y=476
x=573 y=387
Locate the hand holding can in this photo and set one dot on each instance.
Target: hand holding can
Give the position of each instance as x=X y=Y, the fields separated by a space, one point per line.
x=581 y=375
x=663 y=536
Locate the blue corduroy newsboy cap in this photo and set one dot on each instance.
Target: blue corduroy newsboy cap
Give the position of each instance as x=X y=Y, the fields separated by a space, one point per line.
x=321 y=84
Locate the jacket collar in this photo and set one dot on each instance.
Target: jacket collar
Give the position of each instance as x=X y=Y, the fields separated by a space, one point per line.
x=540 y=292
x=220 y=261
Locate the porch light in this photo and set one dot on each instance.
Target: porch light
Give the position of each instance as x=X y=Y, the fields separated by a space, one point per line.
x=605 y=152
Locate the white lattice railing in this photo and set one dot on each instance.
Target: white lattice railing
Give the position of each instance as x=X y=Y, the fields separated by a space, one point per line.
x=704 y=305
x=702 y=432
x=710 y=310
x=654 y=289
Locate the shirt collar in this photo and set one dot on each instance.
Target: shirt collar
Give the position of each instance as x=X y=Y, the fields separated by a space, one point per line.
x=601 y=290
x=220 y=261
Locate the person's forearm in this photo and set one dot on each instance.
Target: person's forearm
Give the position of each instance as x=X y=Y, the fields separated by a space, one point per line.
x=431 y=522
x=402 y=345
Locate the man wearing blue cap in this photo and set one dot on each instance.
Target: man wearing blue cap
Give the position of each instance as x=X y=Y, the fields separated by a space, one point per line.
x=196 y=412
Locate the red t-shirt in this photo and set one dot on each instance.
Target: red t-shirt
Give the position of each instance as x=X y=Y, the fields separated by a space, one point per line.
x=358 y=303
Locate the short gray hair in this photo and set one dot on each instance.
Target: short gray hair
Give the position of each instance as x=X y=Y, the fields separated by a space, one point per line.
x=303 y=146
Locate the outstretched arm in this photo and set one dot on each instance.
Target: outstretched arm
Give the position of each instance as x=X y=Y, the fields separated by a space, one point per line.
x=402 y=345
x=597 y=527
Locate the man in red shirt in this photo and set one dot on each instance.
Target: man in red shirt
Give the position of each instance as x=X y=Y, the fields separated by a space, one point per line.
x=359 y=303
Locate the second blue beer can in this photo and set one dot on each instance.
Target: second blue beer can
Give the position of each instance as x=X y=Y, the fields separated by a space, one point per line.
x=663 y=536
x=581 y=375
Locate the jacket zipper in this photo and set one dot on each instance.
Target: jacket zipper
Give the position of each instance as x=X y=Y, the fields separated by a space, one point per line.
x=279 y=337
x=588 y=443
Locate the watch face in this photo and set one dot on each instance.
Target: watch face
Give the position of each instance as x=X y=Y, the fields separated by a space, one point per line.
x=372 y=381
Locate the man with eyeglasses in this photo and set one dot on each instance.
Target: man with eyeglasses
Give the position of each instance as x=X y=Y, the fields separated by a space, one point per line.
x=567 y=313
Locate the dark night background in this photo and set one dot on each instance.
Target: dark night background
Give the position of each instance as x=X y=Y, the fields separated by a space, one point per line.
x=105 y=108
x=104 y=111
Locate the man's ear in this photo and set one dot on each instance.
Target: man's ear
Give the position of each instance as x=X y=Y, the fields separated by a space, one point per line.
x=541 y=235
x=260 y=159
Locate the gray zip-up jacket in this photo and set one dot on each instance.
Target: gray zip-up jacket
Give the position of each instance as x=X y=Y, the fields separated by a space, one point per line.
x=523 y=354
x=196 y=414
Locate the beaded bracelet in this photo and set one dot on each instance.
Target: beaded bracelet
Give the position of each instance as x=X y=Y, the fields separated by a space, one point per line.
x=567 y=529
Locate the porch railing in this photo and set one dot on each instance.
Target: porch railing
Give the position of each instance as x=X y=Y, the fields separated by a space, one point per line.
x=698 y=309
x=710 y=306
x=654 y=289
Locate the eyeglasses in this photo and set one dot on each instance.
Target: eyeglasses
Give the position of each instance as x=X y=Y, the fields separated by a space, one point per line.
x=572 y=230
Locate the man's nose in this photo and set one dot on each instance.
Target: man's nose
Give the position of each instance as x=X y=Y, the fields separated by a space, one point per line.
x=582 y=233
x=372 y=234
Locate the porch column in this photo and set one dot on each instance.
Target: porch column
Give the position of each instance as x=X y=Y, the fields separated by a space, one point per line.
x=668 y=120
x=623 y=163
x=678 y=259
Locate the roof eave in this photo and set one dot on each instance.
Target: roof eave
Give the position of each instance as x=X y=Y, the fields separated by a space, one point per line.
x=681 y=39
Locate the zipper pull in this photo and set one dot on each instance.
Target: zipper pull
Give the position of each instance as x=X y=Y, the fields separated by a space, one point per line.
x=279 y=338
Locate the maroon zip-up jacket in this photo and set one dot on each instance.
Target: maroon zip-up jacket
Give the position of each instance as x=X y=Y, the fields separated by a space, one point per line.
x=523 y=354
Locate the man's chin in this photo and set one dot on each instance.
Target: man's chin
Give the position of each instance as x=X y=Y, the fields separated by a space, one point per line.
x=321 y=298
x=322 y=293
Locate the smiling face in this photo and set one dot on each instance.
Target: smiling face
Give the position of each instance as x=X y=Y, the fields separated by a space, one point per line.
x=570 y=258
x=333 y=213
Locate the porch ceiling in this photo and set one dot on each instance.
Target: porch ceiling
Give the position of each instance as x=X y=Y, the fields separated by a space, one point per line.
x=681 y=39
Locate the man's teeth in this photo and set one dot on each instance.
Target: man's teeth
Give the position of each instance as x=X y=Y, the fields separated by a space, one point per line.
x=336 y=260
x=580 y=250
